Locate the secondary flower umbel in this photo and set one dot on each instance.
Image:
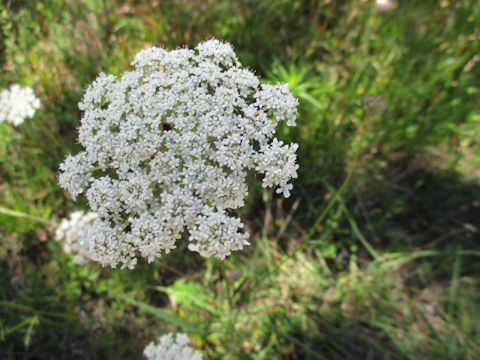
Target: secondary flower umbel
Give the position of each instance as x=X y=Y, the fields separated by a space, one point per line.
x=71 y=232
x=167 y=151
x=17 y=103
x=170 y=348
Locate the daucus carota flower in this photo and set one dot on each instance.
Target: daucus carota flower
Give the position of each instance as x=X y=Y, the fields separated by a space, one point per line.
x=172 y=348
x=167 y=150
x=72 y=231
x=17 y=103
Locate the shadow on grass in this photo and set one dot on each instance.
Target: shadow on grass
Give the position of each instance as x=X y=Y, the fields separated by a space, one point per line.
x=424 y=209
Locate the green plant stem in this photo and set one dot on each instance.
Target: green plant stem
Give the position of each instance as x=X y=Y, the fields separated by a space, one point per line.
x=25 y=216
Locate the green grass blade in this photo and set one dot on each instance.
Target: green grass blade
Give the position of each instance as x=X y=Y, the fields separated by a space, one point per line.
x=165 y=315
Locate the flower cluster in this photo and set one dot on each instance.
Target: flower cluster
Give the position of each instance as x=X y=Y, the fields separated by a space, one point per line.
x=17 y=104
x=72 y=232
x=172 y=349
x=167 y=150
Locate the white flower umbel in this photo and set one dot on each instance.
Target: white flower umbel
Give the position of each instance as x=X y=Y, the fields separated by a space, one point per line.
x=72 y=232
x=167 y=150
x=17 y=103
x=170 y=348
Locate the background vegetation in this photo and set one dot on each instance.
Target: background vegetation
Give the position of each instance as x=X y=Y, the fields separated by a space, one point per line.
x=375 y=255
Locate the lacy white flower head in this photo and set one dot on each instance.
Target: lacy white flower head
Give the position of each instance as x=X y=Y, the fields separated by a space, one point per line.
x=170 y=348
x=72 y=231
x=17 y=103
x=167 y=151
